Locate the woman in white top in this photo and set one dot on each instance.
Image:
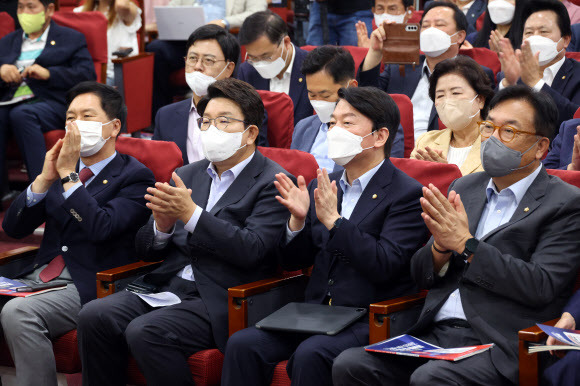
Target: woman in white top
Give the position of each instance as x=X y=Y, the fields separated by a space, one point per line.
x=124 y=20
x=461 y=92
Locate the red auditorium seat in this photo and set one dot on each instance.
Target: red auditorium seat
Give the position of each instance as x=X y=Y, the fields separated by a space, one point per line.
x=577 y=113
x=406 y=111
x=6 y=24
x=280 y=110
x=358 y=54
x=573 y=55
x=485 y=57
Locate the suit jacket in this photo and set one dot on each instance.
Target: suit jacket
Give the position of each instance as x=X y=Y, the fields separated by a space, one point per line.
x=574 y=45
x=232 y=244
x=367 y=258
x=391 y=81
x=307 y=129
x=573 y=306
x=94 y=228
x=560 y=155
x=298 y=92
x=172 y=122
x=522 y=272
x=441 y=140
x=565 y=89
x=475 y=11
x=66 y=57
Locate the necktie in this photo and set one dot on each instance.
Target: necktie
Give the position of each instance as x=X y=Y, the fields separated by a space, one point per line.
x=53 y=269
x=85 y=174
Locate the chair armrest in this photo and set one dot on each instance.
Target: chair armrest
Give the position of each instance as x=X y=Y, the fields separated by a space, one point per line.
x=16 y=254
x=529 y=364
x=243 y=297
x=106 y=280
x=128 y=59
x=380 y=314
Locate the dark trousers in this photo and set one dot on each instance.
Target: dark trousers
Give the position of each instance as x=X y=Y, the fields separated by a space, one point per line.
x=28 y=121
x=160 y=339
x=359 y=367
x=566 y=371
x=252 y=355
x=169 y=57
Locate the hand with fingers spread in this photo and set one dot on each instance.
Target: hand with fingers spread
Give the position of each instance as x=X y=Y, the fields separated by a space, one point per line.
x=170 y=203
x=375 y=54
x=362 y=34
x=510 y=64
x=326 y=200
x=446 y=219
x=70 y=151
x=295 y=198
x=566 y=321
x=529 y=65
x=49 y=174
x=429 y=154
x=575 y=164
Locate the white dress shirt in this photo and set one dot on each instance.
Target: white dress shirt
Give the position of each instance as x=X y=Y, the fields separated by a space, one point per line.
x=193 y=144
x=499 y=209
x=422 y=104
x=547 y=78
x=466 y=7
x=283 y=85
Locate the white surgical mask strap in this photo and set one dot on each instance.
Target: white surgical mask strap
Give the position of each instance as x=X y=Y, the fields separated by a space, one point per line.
x=477 y=112
x=371 y=133
x=223 y=69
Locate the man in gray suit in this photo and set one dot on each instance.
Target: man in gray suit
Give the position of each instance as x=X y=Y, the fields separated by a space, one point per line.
x=216 y=227
x=503 y=256
x=327 y=69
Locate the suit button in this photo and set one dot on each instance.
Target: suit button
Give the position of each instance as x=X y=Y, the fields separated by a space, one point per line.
x=64 y=248
x=330 y=282
x=427 y=310
x=35 y=266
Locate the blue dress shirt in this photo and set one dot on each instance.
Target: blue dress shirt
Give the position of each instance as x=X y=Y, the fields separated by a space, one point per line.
x=320 y=149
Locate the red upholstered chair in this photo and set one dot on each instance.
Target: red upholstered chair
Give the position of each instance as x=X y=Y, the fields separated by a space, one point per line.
x=294 y=161
x=280 y=110
x=577 y=113
x=573 y=55
x=358 y=53
x=6 y=24
x=485 y=57
x=406 y=112
x=66 y=5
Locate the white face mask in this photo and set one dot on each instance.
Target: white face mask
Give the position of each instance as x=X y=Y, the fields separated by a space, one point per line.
x=547 y=47
x=435 y=42
x=198 y=82
x=501 y=12
x=380 y=18
x=91 y=136
x=324 y=109
x=343 y=145
x=219 y=145
x=268 y=70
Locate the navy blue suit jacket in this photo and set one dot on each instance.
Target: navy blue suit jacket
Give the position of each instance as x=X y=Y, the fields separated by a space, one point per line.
x=172 y=121
x=298 y=92
x=66 y=57
x=367 y=259
x=475 y=11
x=560 y=155
x=94 y=229
x=573 y=306
x=565 y=89
x=391 y=81
x=574 y=45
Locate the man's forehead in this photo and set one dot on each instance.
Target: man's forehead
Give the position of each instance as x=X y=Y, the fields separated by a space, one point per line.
x=544 y=18
x=205 y=47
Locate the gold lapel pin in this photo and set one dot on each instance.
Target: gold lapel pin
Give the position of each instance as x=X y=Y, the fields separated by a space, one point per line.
x=105 y=182
x=374 y=196
x=300 y=80
x=526 y=209
x=564 y=77
x=52 y=42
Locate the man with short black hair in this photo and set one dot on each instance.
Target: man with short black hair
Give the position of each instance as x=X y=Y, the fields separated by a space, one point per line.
x=357 y=228
x=216 y=227
x=272 y=61
x=503 y=255
x=92 y=207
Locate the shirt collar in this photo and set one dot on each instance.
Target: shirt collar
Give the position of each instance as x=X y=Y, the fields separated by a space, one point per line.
x=554 y=68
x=466 y=7
x=324 y=127
x=99 y=166
x=235 y=170
x=518 y=189
x=289 y=69
x=42 y=37
x=362 y=180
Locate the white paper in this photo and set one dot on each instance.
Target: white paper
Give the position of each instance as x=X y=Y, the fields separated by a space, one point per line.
x=161 y=299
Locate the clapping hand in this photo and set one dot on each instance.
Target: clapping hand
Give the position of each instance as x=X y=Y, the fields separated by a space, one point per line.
x=70 y=151
x=295 y=198
x=429 y=154
x=362 y=34
x=170 y=203
x=575 y=164
x=529 y=65
x=510 y=64
x=326 y=200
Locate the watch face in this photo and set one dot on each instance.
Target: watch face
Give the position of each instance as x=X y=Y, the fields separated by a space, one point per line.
x=74 y=177
x=471 y=244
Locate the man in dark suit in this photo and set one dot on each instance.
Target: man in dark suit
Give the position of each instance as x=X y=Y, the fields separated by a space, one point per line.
x=565 y=151
x=472 y=13
x=574 y=45
x=443 y=30
x=219 y=233
x=358 y=232
x=547 y=30
x=92 y=209
x=273 y=62
x=211 y=54
x=503 y=256
x=38 y=65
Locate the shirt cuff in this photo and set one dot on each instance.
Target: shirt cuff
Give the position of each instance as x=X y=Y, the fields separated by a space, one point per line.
x=161 y=239
x=33 y=198
x=538 y=86
x=192 y=223
x=73 y=188
x=501 y=85
x=443 y=270
x=291 y=234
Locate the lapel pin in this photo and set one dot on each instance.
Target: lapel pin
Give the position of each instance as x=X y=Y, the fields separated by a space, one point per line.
x=374 y=196
x=526 y=209
x=52 y=42
x=564 y=77
x=105 y=182
x=300 y=80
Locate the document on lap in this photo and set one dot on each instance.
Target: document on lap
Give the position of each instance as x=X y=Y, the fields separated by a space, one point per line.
x=8 y=288
x=569 y=338
x=161 y=299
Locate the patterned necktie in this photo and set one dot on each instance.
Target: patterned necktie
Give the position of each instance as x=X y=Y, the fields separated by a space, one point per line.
x=53 y=269
x=85 y=174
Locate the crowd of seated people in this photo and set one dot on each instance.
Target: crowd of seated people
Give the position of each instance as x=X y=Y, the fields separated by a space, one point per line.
x=496 y=253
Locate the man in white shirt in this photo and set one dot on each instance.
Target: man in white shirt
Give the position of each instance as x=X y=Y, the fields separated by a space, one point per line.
x=272 y=61
x=547 y=31
x=216 y=227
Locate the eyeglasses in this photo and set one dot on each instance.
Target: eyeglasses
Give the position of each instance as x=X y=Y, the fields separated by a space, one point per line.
x=270 y=58
x=220 y=122
x=206 y=61
x=506 y=132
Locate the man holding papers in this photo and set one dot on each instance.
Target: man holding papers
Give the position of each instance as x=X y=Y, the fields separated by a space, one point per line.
x=357 y=228
x=504 y=255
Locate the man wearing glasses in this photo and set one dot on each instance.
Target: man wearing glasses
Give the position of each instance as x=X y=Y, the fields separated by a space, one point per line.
x=503 y=255
x=216 y=226
x=212 y=54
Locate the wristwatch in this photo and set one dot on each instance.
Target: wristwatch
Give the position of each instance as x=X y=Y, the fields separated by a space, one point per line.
x=338 y=222
x=73 y=177
x=470 y=247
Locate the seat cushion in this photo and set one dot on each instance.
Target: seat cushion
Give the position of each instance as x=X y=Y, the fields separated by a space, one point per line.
x=280 y=377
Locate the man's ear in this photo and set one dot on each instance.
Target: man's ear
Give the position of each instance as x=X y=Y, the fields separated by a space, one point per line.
x=253 y=133
x=461 y=35
x=352 y=83
x=543 y=146
x=117 y=128
x=566 y=40
x=231 y=66
x=382 y=137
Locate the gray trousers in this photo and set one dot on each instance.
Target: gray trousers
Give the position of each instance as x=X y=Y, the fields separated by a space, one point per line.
x=29 y=326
